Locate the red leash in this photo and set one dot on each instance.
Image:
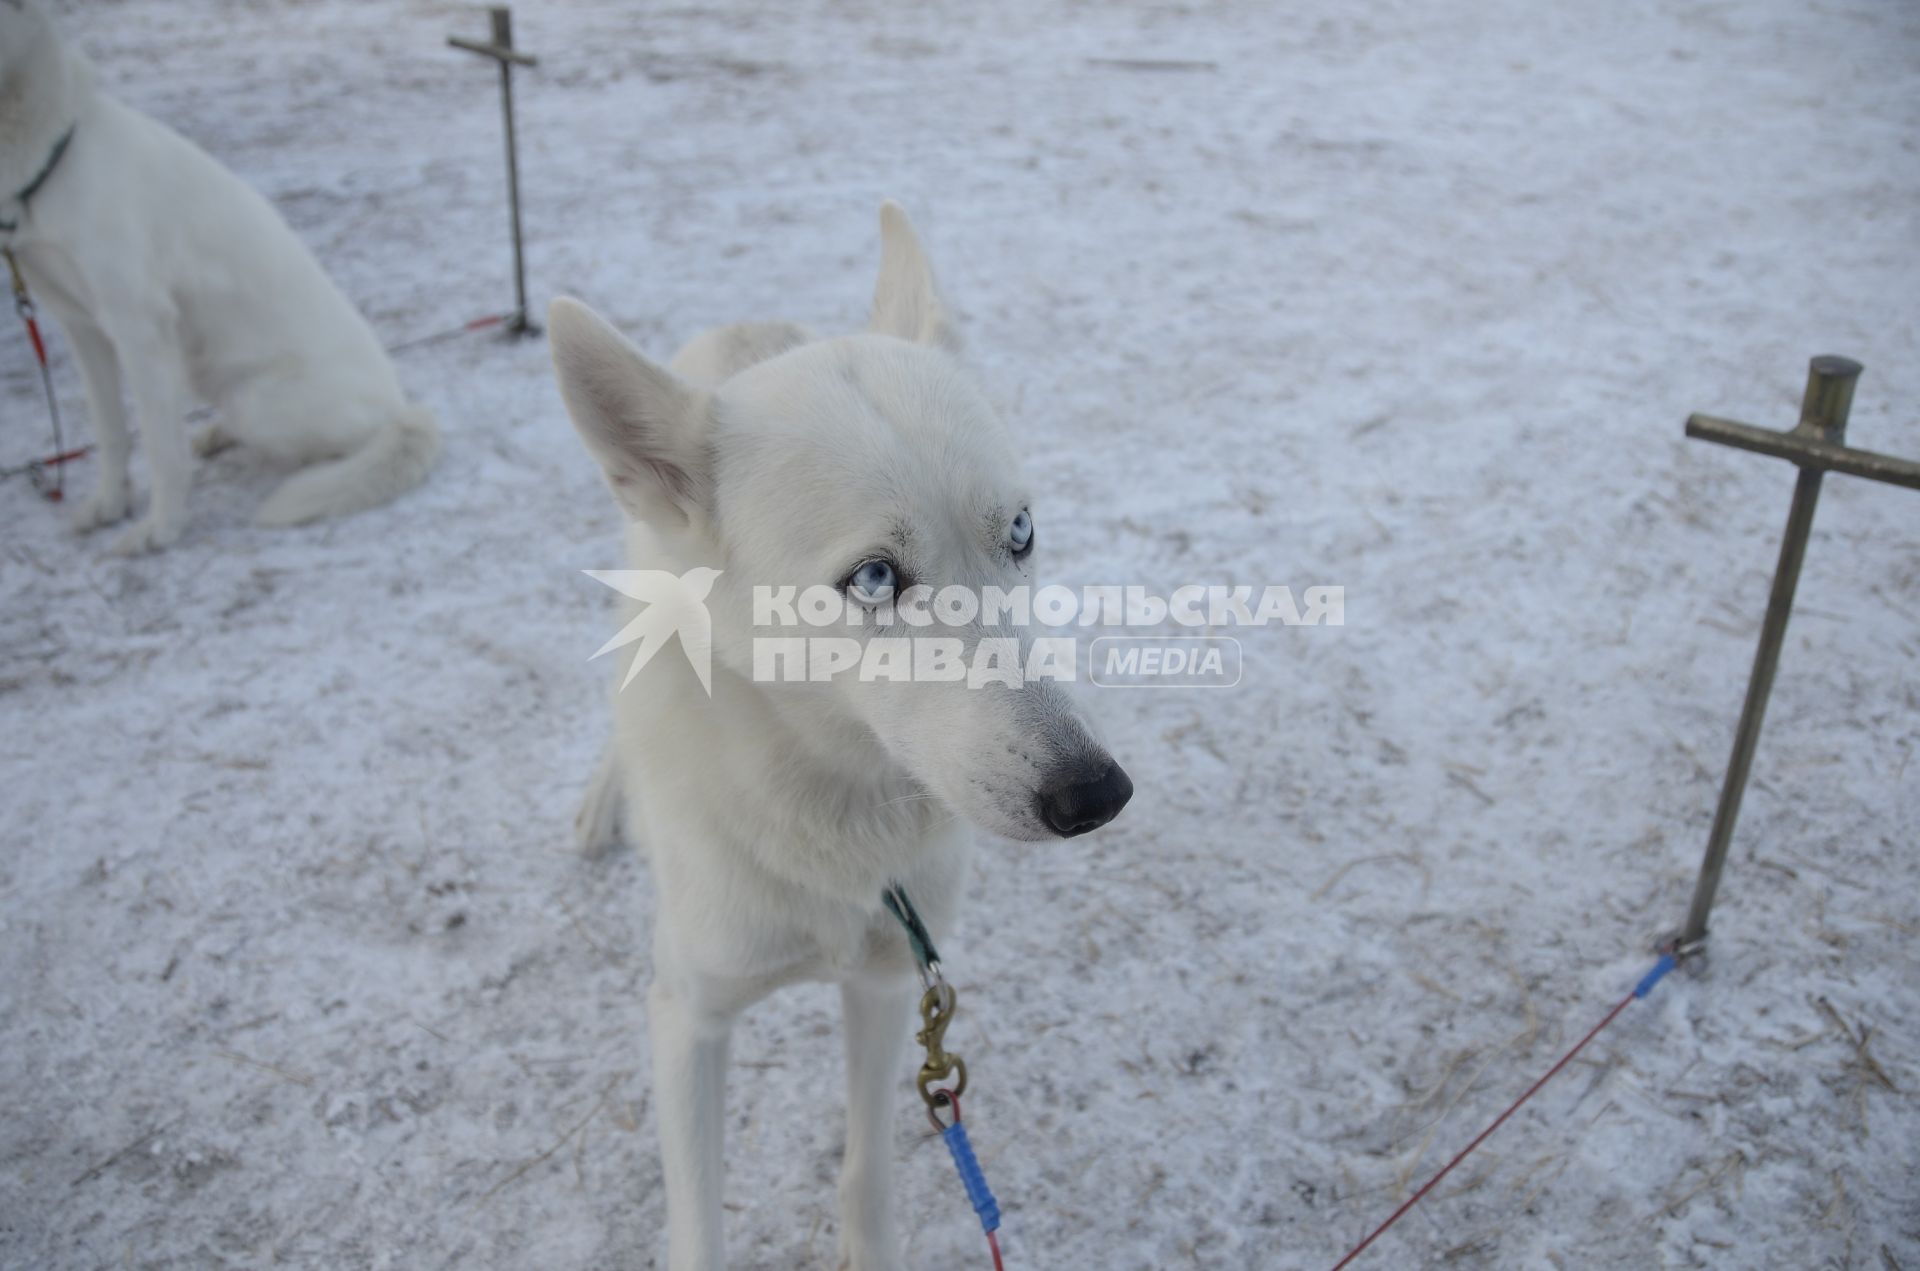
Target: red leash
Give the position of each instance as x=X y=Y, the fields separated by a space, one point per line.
x=1667 y=963
x=23 y=305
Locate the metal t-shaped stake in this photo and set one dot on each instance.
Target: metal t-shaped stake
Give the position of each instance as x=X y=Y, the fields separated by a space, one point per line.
x=501 y=50
x=1816 y=445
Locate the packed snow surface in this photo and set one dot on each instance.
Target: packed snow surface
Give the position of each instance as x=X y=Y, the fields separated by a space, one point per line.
x=298 y=964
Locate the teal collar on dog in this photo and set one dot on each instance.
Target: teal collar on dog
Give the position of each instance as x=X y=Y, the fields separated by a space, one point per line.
x=32 y=187
x=928 y=957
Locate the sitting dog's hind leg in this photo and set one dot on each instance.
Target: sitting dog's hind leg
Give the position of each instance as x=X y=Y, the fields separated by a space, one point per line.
x=596 y=827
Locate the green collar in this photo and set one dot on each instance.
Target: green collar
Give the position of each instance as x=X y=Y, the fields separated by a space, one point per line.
x=895 y=899
x=32 y=187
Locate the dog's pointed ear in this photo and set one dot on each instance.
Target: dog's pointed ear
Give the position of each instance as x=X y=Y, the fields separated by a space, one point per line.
x=641 y=423
x=906 y=302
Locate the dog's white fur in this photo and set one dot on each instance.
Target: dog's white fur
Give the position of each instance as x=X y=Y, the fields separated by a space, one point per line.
x=177 y=283
x=775 y=814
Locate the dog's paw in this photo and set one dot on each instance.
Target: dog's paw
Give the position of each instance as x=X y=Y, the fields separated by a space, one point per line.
x=211 y=441
x=870 y=1260
x=869 y=1245
x=147 y=534
x=106 y=505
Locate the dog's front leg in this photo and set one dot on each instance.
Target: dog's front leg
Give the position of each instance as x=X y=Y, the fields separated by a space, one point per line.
x=876 y=1011
x=100 y=371
x=150 y=355
x=689 y=1095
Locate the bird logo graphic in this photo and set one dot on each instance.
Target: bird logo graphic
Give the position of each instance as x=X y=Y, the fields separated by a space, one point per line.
x=670 y=604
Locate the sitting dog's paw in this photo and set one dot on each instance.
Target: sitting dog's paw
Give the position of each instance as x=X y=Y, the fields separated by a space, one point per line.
x=106 y=505
x=147 y=534
x=211 y=441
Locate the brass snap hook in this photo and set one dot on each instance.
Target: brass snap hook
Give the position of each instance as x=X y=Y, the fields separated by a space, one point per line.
x=936 y=1012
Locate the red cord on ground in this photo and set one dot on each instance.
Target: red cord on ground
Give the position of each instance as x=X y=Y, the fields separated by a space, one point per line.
x=1485 y=1134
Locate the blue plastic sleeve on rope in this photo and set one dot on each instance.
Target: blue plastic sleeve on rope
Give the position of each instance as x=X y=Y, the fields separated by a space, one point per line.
x=1653 y=977
x=970 y=1176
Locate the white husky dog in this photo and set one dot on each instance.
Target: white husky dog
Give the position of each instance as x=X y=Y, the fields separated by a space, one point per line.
x=775 y=814
x=177 y=283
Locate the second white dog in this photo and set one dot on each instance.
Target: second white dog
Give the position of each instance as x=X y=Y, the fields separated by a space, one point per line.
x=776 y=813
x=176 y=283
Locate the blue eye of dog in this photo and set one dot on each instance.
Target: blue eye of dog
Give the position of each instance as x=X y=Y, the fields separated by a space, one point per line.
x=873 y=582
x=1021 y=535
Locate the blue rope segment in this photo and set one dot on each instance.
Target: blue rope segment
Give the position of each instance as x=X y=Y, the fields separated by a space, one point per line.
x=1666 y=963
x=971 y=1178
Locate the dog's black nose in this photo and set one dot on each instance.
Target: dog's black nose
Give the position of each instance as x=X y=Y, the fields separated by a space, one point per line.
x=1076 y=806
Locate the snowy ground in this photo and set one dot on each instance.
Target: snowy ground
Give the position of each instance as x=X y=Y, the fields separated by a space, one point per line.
x=296 y=962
